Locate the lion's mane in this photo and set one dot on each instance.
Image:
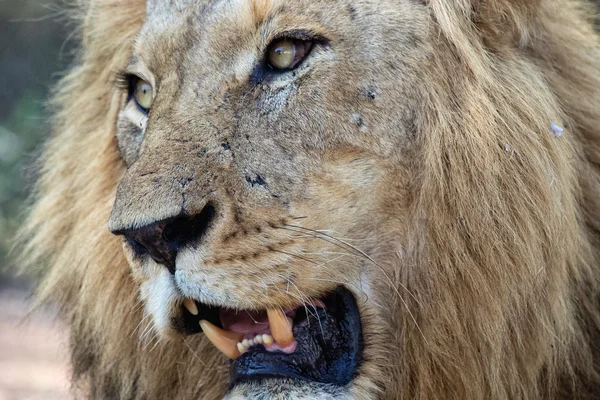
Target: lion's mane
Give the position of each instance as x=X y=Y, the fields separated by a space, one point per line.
x=507 y=272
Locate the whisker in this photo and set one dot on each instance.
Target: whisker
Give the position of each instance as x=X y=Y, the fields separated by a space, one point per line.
x=305 y=300
x=194 y=353
x=275 y=285
x=314 y=237
x=366 y=256
x=147 y=330
x=139 y=324
x=158 y=340
x=359 y=289
x=149 y=342
x=336 y=239
x=295 y=255
x=331 y=253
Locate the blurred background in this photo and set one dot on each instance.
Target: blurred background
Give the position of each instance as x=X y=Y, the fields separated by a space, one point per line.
x=34 y=48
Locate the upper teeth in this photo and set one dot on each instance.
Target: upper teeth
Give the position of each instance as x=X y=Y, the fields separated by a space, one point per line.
x=281 y=327
x=191 y=306
x=232 y=344
x=226 y=341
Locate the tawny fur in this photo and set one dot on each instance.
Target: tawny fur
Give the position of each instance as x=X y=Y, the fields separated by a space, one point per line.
x=495 y=250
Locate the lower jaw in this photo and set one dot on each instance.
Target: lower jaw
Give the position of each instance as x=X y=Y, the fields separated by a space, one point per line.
x=328 y=347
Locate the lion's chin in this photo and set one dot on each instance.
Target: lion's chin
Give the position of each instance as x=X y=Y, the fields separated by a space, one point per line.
x=319 y=342
x=289 y=389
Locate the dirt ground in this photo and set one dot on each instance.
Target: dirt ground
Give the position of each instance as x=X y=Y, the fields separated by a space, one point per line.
x=33 y=351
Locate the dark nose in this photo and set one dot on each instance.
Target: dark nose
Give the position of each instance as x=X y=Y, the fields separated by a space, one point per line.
x=163 y=239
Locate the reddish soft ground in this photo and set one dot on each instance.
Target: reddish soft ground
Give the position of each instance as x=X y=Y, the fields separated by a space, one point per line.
x=33 y=351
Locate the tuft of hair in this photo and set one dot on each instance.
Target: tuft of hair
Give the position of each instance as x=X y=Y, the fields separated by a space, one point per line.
x=499 y=213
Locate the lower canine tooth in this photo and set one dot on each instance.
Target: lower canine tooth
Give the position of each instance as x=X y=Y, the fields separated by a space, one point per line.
x=191 y=306
x=281 y=327
x=225 y=341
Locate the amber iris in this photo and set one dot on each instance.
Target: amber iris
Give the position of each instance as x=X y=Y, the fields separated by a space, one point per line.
x=143 y=94
x=286 y=54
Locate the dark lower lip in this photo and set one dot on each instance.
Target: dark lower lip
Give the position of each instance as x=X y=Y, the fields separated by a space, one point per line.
x=329 y=347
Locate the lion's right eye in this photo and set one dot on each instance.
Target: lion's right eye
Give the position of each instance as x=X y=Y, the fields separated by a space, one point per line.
x=143 y=94
x=286 y=54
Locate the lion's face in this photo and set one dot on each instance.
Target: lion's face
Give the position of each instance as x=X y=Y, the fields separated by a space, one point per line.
x=268 y=149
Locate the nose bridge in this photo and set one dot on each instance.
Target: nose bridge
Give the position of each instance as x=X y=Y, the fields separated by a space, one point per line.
x=164 y=182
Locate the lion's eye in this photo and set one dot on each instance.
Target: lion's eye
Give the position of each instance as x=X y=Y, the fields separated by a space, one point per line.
x=143 y=94
x=286 y=54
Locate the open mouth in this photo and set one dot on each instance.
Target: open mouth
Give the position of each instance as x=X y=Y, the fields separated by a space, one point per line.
x=320 y=341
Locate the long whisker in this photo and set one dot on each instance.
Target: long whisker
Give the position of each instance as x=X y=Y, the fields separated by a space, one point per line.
x=139 y=324
x=366 y=256
x=363 y=254
x=305 y=300
x=194 y=353
x=312 y=235
x=358 y=288
x=147 y=331
x=150 y=341
x=158 y=340
x=336 y=239
x=295 y=255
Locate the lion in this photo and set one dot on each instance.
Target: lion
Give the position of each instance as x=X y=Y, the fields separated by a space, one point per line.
x=392 y=199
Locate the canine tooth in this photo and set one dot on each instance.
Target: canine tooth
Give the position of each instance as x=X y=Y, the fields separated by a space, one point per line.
x=225 y=341
x=258 y=339
x=191 y=306
x=267 y=340
x=281 y=327
x=241 y=348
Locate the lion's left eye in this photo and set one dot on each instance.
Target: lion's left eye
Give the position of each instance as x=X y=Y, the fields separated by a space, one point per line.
x=286 y=54
x=143 y=94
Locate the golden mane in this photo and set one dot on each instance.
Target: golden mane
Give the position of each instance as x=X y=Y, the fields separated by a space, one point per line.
x=506 y=270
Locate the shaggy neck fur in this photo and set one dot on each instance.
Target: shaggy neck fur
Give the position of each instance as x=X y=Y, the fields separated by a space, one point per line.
x=505 y=269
